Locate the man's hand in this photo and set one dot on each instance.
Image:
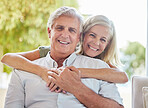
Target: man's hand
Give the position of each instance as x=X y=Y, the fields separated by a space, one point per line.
x=68 y=79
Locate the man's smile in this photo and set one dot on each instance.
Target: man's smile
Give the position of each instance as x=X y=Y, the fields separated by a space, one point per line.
x=62 y=42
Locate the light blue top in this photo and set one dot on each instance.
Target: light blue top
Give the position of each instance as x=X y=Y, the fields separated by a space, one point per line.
x=28 y=90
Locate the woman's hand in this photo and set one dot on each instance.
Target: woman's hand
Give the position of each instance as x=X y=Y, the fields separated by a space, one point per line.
x=44 y=76
x=50 y=84
x=68 y=79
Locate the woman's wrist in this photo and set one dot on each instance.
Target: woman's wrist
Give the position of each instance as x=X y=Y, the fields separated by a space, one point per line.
x=82 y=72
x=41 y=71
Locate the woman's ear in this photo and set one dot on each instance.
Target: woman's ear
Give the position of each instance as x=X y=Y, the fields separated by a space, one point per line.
x=49 y=34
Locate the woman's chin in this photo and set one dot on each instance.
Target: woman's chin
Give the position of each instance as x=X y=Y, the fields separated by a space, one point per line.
x=90 y=55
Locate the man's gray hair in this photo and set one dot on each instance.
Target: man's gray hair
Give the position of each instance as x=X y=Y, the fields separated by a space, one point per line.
x=65 y=11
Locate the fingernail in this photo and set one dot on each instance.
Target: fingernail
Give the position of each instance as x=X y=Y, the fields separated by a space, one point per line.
x=47 y=85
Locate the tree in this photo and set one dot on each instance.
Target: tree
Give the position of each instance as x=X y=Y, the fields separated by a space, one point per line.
x=23 y=23
x=133 y=57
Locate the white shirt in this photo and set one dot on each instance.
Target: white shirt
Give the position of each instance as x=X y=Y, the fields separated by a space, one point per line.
x=29 y=90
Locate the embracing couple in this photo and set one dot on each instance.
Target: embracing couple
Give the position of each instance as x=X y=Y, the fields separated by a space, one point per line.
x=64 y=76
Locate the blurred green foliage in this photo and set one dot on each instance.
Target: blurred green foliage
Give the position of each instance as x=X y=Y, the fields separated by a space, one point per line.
x=133 y=58
x=23 y=23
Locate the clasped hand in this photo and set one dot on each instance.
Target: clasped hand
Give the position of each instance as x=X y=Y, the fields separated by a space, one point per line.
x=64 y=79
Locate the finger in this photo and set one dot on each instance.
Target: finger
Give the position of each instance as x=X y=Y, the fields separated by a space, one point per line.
x=54 y=75
x=74 y=69
x=51 y=85
x=48 y=81
x=61 y=68
x=53 y=88
x=64 y=92
x=53 y=71
x=59 y=90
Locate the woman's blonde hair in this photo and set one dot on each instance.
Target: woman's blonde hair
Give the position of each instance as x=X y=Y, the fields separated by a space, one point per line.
x=110 y=54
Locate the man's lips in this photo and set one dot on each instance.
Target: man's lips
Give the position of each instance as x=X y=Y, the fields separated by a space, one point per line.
x=62 y=42
x=94 y=49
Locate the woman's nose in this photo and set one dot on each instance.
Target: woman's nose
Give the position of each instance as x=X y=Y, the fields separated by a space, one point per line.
x=97 y=42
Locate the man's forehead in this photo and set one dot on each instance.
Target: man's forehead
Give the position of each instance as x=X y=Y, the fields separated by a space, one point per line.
x=67 y=21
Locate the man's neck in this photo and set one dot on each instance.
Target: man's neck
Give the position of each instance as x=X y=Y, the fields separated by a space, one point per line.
x=60 y=62
x=59 y=58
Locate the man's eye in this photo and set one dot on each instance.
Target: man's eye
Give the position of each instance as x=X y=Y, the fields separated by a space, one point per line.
x=72 y=30
x=59 y=28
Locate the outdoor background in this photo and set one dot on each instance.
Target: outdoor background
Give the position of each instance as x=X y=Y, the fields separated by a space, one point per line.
x=23 y=28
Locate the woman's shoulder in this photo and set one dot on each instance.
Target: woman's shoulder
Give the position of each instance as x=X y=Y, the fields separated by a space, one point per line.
x=44 y=47
x=43 y=50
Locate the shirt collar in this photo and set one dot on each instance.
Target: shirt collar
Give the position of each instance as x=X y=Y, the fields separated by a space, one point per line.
x=67 y=62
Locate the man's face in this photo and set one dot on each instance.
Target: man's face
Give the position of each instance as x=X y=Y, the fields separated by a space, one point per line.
x=64 y=35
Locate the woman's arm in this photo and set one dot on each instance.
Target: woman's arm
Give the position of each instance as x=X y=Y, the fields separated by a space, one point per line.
x=23 y=61
x=112 y=74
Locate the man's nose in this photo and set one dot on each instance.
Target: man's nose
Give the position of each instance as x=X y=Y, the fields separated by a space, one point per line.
x=65 y=33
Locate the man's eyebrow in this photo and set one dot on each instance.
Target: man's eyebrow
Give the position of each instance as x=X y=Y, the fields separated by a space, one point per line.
x=59 y=26
x=73 y=28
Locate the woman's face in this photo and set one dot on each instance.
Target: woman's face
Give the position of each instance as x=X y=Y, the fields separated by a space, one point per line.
x=96 y=40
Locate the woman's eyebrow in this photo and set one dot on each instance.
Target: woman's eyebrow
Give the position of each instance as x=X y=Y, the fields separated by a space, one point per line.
x=92 y=32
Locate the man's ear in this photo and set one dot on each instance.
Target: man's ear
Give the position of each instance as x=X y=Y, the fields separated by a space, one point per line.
x=49 y=34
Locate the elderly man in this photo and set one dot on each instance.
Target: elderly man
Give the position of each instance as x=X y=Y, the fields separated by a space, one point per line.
x=29 y=90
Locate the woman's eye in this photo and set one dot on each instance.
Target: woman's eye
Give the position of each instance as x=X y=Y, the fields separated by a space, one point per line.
x=103 y=40
x=92 y=35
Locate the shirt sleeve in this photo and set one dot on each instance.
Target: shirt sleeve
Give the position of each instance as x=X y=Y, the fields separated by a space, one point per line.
x=110 y=91
x=43 y=50
x=15 y=93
